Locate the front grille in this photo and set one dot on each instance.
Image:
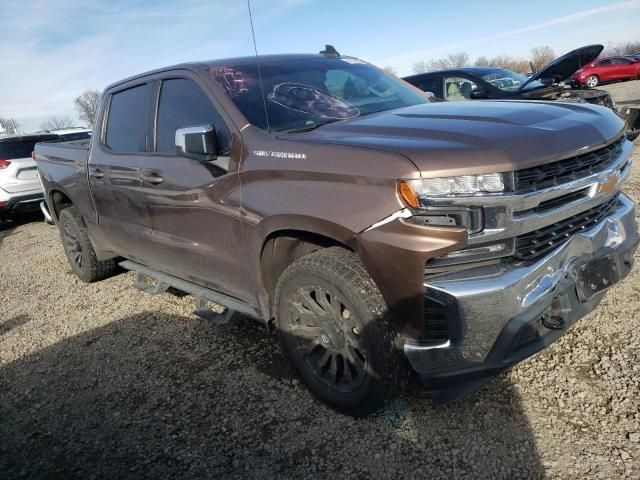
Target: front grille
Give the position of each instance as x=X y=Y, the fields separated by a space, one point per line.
x=534 y=245
x=554 y=203
x=544 y=176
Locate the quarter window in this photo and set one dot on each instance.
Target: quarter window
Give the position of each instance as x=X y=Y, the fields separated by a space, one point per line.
x=183 y=104
x=126 y=125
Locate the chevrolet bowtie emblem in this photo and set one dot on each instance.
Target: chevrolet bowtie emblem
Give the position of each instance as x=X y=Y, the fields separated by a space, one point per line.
x=609 y=185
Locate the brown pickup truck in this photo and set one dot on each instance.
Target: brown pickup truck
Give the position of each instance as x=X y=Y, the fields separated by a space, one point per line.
x=368 y=224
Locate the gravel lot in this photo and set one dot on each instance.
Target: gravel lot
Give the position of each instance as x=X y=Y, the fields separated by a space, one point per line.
x=102 y=381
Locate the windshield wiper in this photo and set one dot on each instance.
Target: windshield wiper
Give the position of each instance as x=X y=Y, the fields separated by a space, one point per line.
x=304 y=128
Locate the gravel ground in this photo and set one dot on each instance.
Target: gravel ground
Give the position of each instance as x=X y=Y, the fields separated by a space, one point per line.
x=624 y=92
x=103 y=380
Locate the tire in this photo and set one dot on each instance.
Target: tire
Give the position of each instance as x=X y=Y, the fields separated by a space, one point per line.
x=335 y=329
x=78 y=249
x=592 y=81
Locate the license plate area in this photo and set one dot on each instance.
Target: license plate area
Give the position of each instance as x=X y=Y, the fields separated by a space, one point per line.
x=27 y=174
x=596 y=276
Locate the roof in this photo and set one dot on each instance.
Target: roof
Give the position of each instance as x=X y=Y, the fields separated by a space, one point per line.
x=201 y=65
x=472 y=70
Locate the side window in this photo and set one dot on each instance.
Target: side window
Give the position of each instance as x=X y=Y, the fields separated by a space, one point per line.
x=126 y=125
x=430 y=85
x=603 y=63
x=458 y=88
x=620 y=61
x=183 y=104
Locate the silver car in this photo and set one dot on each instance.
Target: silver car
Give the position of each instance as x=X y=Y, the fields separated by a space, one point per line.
x=20 y=189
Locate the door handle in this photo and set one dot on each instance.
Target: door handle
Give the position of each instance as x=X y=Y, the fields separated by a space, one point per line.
x=97 y=173
x=153 y=179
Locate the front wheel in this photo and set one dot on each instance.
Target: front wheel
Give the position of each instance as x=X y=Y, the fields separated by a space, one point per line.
x=78 y=249
x=335 y=330
x=592 y=81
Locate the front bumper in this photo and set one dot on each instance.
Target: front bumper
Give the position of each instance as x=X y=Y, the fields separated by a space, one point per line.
x=501 y=314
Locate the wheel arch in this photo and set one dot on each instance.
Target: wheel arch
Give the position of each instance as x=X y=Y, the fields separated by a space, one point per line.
x=58 y=201
x=281 y=247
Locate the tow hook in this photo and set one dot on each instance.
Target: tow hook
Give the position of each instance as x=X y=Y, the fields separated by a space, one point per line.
x=552 y=321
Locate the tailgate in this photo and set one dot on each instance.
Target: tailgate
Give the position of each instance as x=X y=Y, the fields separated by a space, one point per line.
x=20 y=176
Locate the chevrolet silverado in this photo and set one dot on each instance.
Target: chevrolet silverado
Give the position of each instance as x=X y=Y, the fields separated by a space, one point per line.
x=371 y=226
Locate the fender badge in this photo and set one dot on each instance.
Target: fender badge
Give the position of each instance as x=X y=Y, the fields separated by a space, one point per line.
x=267 y=153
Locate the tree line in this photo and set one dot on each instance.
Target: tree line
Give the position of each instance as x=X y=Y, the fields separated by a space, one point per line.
x=540 y=56
x=85 y=104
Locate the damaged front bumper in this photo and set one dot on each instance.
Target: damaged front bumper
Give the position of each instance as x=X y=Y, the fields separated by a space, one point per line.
x=631 y=115
x=502 y=314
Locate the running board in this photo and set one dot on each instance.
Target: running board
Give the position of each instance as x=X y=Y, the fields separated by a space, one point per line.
x=202 y=294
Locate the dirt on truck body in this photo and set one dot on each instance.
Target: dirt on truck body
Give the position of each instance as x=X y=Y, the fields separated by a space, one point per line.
x=373 y=225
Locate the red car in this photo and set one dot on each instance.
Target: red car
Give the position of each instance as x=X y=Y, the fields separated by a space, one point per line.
x=605 y=70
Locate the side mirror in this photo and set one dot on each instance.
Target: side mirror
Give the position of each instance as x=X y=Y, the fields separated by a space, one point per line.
x=479 y=93
x=198 y=142
x=546 y=80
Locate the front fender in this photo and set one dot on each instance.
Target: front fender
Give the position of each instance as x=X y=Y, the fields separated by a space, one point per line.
x=394 y=254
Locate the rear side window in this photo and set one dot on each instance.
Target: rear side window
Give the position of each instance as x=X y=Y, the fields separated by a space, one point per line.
x=620 y=61
x=603 y=63
x=126 y=124
x=22 y=147
x=183 y=104
x=429 y=85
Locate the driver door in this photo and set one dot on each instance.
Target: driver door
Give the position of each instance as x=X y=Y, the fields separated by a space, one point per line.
x=194 y=205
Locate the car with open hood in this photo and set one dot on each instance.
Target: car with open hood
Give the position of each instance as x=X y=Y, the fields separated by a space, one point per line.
x=607 y=69
x=495 y=83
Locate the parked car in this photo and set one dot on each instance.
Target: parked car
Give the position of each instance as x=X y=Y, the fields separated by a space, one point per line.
x=606 y=69
x=481 y=83
x=366 y=222
x=20 y=189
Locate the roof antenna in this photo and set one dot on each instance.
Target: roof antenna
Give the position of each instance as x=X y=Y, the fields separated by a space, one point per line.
x=255 y=48
x=329 y=50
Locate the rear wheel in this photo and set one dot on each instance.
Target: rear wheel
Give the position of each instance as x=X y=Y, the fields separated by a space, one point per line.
x=335 y=330
x=592 y=81
x=78 y=249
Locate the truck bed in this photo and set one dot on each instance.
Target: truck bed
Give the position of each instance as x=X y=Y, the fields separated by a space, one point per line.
x=63 y=168
x=76 y=151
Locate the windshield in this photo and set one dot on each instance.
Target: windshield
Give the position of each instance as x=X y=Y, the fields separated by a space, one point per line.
x=306 y=93
x=509 y=81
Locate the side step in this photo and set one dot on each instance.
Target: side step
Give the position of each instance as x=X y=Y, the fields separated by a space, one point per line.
x=202 y=294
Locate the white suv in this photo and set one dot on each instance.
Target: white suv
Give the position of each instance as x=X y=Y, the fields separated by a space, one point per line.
x=20 y=189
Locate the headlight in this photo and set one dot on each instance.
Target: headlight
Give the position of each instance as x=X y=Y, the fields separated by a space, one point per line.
x=447 y=186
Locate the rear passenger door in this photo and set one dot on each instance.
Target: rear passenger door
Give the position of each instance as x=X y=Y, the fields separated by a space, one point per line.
x=194 y=205
x=114 y=172
x=624 y=67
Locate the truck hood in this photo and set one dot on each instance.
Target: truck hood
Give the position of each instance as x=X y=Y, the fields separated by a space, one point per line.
x=450 y=138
